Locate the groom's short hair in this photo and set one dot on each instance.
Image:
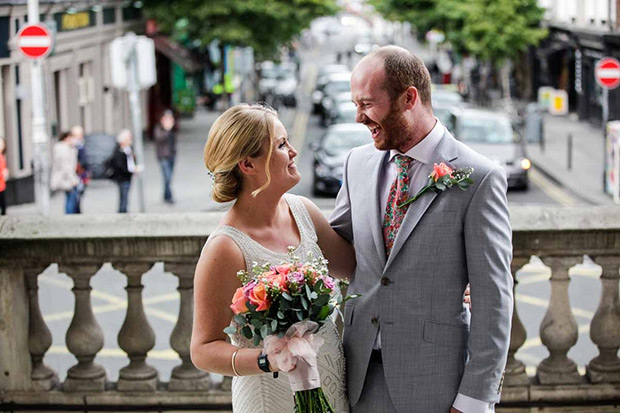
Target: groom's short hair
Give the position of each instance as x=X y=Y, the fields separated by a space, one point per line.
x=403 y=70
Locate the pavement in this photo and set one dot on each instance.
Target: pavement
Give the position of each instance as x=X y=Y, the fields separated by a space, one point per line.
x=583 y=175
x=191 y=185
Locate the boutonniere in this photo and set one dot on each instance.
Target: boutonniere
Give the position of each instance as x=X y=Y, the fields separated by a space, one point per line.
x=442 y=178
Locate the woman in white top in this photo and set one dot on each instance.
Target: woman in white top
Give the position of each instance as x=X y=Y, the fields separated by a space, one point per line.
x=252 y=163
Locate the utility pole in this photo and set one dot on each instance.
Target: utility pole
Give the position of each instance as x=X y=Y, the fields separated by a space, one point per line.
x=39 y=136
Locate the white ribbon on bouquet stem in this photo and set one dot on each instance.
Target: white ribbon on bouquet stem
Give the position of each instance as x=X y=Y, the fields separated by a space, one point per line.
x=296 y=354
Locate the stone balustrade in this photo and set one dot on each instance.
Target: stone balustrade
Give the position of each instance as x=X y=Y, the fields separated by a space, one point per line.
x=132 y=244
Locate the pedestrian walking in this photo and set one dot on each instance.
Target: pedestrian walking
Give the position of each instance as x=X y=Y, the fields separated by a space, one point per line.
x=4 y=176
x=64 y=171
x=83 y=169
x=123 y=164
x=166 y=144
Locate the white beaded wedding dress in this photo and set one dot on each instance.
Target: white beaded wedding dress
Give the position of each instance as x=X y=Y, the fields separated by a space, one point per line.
x=263 y=393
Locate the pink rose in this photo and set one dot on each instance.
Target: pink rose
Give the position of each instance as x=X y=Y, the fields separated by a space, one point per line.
x=283 y=269
x=441 y=170
x=328 y=282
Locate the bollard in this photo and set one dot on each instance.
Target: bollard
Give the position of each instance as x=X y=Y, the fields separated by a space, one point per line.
x=570 y=151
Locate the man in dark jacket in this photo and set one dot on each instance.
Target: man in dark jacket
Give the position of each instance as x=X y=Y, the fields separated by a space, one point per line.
x=123 y=164
x=166 y=142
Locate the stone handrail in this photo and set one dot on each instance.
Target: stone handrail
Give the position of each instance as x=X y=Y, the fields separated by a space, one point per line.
x=80 y=245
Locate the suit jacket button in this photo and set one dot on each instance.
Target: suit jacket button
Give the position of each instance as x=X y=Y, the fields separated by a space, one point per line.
x=374 y=320
x=385 y=281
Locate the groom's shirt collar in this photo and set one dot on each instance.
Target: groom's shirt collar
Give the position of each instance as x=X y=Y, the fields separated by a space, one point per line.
x=424 y=150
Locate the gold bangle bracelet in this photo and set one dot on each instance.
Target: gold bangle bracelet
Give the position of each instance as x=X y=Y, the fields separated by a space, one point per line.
x=234 y=358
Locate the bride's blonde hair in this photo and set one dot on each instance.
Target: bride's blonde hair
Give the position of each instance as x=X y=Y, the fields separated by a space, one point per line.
x=238 y=133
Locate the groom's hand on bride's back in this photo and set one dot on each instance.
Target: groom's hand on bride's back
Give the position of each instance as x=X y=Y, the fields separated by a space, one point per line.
x=453 y=410
x=467 y=299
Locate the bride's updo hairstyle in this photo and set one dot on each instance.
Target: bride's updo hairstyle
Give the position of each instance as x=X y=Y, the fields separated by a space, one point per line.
x=238 y=133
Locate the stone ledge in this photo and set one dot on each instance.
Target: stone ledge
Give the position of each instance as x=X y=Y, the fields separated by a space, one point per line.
x=561 y=394
x=206 y=400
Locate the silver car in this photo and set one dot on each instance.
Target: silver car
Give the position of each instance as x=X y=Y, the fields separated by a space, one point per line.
x=491 y=134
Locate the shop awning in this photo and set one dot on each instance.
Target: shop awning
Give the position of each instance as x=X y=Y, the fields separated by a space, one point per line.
x=178 y=54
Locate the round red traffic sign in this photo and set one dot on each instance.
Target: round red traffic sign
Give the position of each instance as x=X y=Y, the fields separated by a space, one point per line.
x=607 y=73
x=35 y=41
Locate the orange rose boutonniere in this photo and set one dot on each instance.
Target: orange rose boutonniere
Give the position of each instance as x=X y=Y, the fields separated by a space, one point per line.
x=442 y=178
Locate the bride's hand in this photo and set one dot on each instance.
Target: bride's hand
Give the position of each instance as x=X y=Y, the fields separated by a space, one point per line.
x=467 y=299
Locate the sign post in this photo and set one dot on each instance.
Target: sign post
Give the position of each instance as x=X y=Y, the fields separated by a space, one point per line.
x=133 y=69
x=607 y=74
x=35 y=42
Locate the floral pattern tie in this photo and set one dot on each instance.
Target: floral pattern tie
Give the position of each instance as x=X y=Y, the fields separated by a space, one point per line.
x=399 y=192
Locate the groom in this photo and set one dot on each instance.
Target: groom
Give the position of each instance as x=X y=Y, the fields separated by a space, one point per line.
x=410 y=343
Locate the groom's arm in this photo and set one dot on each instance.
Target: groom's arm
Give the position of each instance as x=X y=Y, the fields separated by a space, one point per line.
x=488 y=245
x=340 y=219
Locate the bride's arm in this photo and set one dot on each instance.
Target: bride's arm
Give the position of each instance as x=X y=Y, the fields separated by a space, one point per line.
x=338 y=251
x=215 y=282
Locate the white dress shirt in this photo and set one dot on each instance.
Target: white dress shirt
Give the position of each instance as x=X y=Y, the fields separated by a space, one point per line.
x=422 y=154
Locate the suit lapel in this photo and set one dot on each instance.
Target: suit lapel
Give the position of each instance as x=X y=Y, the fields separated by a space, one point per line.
x=446 y=151
x=375 y=218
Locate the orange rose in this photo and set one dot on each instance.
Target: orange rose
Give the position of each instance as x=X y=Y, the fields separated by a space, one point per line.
x=441 y=170
x=277 y=280
x=238 y=302
x=259 y=297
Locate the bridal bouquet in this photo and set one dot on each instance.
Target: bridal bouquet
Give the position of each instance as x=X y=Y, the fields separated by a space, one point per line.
x=283 y=306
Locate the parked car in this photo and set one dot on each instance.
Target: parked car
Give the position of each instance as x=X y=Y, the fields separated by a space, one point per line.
x=330 y=152
x=446 y=95
x=338 y=84
x=343 y=112
x=492 y=135
x=319 y=92
x=447 y=115
x=278 y=82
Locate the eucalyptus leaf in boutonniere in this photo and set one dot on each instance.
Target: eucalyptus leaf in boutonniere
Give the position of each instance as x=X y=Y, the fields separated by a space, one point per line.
x=442 y=178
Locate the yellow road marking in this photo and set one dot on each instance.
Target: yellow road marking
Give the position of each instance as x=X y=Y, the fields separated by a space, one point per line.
x=311 y=79
x=299 y=132
x=551 y=189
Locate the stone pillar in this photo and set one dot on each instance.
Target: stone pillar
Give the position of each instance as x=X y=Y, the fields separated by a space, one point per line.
x=136 y=336
x=84 y=337
x=185 y=377
x=226 y=384
x=39 y=335
x=15 y=364
x=515 y=370
x=605 y=327
x=559 y=330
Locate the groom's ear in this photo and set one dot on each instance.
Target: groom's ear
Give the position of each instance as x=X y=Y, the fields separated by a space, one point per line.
x=247 y=166
x=412 y=97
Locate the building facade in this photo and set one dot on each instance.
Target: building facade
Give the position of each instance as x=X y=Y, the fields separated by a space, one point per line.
x=581 y=32
x=77 y=80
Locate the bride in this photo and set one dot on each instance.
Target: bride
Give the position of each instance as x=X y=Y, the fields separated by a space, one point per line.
x=252 y=163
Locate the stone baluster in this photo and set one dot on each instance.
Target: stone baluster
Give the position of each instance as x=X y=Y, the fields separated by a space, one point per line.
x=136 y=337
x=605 y=327
x=515 y=369
x=39 y=335
x=559 y=330
x=185 y=377
x=84 y=337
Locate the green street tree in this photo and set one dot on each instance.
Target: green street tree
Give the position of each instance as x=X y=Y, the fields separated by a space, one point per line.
x=494 y=31
x=263 y=25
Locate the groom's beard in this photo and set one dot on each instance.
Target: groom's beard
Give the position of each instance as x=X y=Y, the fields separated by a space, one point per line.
x=394 y=127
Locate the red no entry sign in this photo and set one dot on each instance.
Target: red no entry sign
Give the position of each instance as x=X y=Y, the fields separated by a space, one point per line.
x=35 y=41
x=607 y=73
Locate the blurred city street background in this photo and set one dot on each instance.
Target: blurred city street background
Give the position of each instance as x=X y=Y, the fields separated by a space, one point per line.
x=562 y=166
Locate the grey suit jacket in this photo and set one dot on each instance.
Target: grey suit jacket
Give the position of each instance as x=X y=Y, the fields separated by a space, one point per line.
x=432 y=348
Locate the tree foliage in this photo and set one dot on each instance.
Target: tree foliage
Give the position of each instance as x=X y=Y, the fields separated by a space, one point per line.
x=488 y=29
x=264 y=25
